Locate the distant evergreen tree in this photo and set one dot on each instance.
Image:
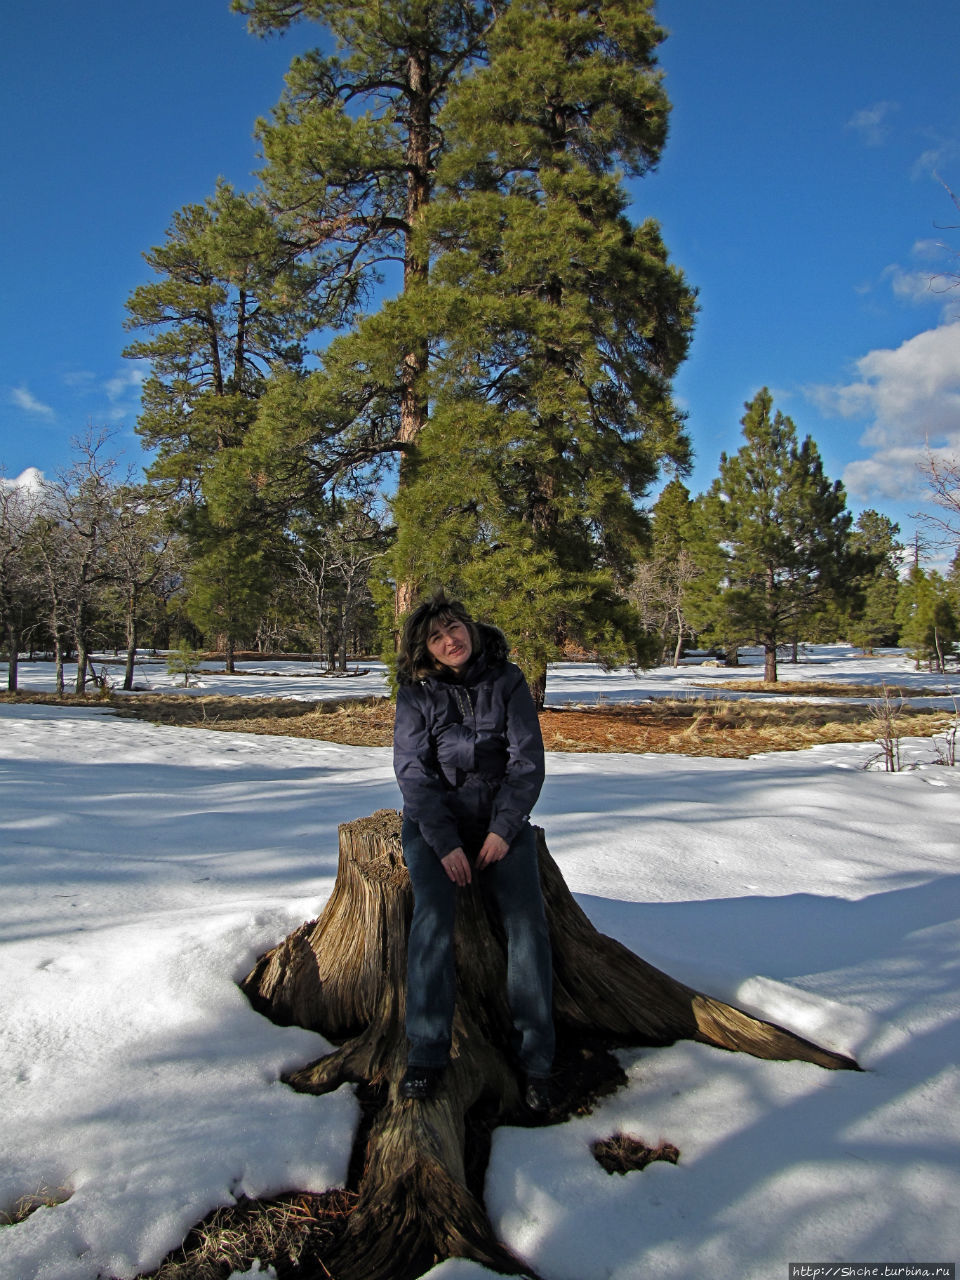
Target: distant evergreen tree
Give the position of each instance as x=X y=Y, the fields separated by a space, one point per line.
x=929 y=624
x=228 y=583
x=772 y=537
x=872 y=617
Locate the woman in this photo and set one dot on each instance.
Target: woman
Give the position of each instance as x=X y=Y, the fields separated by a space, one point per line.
x=468 y=756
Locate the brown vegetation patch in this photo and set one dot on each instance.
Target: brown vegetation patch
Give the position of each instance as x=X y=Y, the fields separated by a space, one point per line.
x=356 y=722
x=823 y=689
x=732 y=728
x=292 y=1234
x=42 y=1198
x=714 y=727
x=621 y=1153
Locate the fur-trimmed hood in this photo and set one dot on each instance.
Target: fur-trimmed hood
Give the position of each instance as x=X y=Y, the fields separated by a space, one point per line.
x=494 y=652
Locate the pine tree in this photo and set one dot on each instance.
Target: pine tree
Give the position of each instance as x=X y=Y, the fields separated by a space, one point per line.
x=225 y=311
x=929 y=624
x=228 y=580
x=558 y=324
x=472 y=160
x=772 y=536
x=351 y=156
x=871 y=618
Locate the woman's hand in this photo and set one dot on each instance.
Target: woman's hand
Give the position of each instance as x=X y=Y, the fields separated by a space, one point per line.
x=457 y=867
x=492 y=850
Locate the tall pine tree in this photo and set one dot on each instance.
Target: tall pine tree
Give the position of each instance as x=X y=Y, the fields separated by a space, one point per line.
x=557 y=324
x=351 y=155
x=470 y=159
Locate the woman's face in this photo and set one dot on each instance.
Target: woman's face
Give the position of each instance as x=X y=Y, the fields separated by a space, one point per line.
x=449 y=643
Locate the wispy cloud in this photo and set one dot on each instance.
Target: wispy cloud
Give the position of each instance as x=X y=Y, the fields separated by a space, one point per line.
x=936 y=282
x=923 y=286
x=910 y=397
x=872 y=122
x=125 y=383
x=78 y=379
x=935 y=159
x=24 y=399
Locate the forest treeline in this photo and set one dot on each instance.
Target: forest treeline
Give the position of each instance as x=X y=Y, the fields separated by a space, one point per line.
x=434 y=345
x=768 y=554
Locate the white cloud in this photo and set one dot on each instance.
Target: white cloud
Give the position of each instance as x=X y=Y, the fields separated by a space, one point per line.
x=924 y=287
x=126 y=382
x=911 y=397
x=913 y=286
x=893 y=474
x=871 y=122
x=79 y=379
x=24 y=399
x=935 y=159
x=29 y=490
x=936 y=281
x=931 y=249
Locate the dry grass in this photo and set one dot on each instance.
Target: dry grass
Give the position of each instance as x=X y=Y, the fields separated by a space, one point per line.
x=820 y=689
x=621 y=1153
x=715 y=727
x=42 y=1198
x=733 y=728
x=291 y=1234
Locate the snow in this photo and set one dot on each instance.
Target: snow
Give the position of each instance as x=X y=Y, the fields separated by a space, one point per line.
x=145 y=867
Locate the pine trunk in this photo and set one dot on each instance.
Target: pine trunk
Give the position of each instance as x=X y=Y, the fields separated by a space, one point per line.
x=419 y=1165
x=770 y=663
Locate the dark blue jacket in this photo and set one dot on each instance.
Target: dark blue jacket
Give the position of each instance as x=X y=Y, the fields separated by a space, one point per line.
x=468 y=753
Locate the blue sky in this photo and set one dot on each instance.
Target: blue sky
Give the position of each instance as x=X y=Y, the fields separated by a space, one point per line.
x=797 y=192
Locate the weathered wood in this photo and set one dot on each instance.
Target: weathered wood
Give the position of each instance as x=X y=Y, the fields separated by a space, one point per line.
x=344 y=975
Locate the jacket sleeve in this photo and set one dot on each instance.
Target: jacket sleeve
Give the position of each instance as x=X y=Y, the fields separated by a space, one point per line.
x=521 y=786
x=423 y=789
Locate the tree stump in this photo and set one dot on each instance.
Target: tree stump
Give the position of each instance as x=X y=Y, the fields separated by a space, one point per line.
x=416 y=1162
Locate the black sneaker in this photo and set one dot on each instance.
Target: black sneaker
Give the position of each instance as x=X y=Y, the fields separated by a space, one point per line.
x=540 y=1094
x=420 y=1082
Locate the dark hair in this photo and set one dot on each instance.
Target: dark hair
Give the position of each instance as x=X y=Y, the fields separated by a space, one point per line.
x=414 y=660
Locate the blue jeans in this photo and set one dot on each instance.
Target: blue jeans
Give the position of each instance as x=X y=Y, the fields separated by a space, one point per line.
x=431 y=973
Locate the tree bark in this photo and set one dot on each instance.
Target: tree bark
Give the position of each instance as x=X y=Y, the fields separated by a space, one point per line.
x=131 y=655
x=13 y=657
x=344 y=976
x=770 y=662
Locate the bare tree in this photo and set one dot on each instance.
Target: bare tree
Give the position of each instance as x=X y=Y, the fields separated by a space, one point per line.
x=18 y=511
x=138 y=546
x=79 y=513
x=941 y=474
x=658 y=592
x=332 y=565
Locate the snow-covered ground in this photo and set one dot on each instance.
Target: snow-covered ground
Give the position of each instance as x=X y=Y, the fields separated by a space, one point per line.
x=143 y=869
